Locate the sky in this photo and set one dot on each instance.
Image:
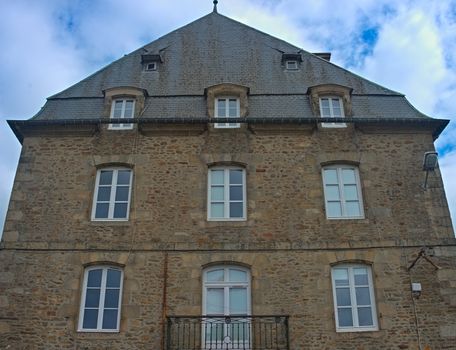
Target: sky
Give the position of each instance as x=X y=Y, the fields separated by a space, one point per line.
x=408 y=46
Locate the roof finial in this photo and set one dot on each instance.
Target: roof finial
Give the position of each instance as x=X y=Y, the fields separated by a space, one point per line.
x=215 y=5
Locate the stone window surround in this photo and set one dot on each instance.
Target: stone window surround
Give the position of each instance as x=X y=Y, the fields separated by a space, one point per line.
x=113 y=167
x=330 y=90
x=124 y=92
x=104 y=266
x=223 y=90
x=338 y=165
x=226 y=166
x=356 y=263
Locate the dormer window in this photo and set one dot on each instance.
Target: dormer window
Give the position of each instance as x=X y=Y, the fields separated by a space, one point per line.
x=291 y=65
x=332 y=107
x=122 y=109
x=331 y=101
x=150 y=61
x=227 y=101
x=123 y=102
x=227 y=107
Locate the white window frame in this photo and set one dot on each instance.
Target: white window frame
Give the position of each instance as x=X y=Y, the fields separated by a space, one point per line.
x=226 y=189
x=122 y=126
x=340 y=183
x=354 y=305
x=101 y=307
x=291 y=65
x=151 y=66
x=216 y=111
x=342 y=112
x=226 y=284
x=112 y=200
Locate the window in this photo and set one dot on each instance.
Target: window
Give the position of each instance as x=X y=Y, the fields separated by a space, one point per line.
x=291 y=65
x=227 y=107
x=122 y=109
x=332 y=107
x=112 y=194
x=226 y=194
x=354 y=303
x=342 y=191
x=151 y=66
x=226 y=292
x=101 y=299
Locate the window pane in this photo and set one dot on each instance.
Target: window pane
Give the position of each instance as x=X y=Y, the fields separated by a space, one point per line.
x=326 y=112
x=111 y=298
x=365 y=316
x=221 y=111
x=360 y=275
x=94 y=278
x=334 y=210
x=113 y=278
x=122 y=193
x=110 y=319
x=330 y=176
x=123 y=177
x=217 y=177
x=102 y=210
x=104 y=194
x=214 y=301
x=238 y=301
x=217 y=193
x=217 y=210
x=105 y=177
x=350 y=192
x=348 y=176
x=353 y=209
x=120 y=210
x=117 y=109
x=362 y=296
x=343 y=296
x=92 y=298
x=236 y=177
x=340 y=277
x=236 y=193
x=238 y=275
x=236 y=210
x=345 y=317
x=233 y=108
x=215 y=276
x=325 y=103
x=128 y=109
x=332 y=193
x=90 y=319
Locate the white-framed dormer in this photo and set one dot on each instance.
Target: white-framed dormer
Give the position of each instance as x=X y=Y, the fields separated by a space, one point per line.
x=227 y=107
x=123 y=102
x=227 y=101
x=330 y=101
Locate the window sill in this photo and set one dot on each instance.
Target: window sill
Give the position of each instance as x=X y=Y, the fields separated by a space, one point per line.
x=226 y=219
x=356 y=330
x=346 y=218
x=95 y=331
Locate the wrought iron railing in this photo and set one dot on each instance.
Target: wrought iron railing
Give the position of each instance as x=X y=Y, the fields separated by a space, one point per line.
x=227 y=332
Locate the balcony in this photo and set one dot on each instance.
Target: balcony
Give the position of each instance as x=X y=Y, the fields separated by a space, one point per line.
x=227 y=332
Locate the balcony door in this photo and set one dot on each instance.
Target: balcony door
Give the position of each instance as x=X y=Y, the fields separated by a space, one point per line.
x=226 y=308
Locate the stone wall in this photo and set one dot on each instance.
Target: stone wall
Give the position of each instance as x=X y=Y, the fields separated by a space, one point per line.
x=286 y=240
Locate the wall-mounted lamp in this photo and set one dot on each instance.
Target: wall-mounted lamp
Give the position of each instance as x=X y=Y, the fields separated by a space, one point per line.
x=429 y=164
x=416 y=290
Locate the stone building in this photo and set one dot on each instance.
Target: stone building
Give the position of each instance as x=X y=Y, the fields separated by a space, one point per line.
x=221 y=188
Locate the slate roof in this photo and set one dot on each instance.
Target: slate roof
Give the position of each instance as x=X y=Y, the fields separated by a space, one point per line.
x=216 y=49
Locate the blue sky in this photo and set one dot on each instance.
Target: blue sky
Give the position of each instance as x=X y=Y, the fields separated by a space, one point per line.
x=408 y=46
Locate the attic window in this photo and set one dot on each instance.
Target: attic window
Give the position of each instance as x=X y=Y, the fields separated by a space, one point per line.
x=151 y=66
x=291 y=65
x=291 y=61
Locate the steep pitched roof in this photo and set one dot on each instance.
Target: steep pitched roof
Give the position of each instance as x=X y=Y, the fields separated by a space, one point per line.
x=216 y=49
